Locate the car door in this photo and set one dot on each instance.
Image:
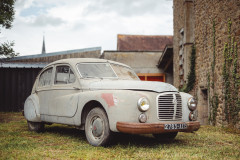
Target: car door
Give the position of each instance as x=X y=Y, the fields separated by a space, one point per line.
x=64 y=92
x=43 y=90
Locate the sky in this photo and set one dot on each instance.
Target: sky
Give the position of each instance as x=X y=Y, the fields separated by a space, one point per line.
x=78 y=24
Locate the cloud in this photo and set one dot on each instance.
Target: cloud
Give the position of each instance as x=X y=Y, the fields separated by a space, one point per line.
x=44 y=20
x=36 y=13
x=78 y=25
x=23 y=4
x=128 y=7
x=75 y=24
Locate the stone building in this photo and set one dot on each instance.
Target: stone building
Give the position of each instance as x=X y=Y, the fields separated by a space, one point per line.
x=213 y=27
x=142 y=53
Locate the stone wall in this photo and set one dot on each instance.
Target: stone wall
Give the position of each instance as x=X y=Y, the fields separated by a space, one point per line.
x=205 y=12
x=178 y=24
x=219 y=11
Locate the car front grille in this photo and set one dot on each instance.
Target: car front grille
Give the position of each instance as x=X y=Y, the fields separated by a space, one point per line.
x=169 y=107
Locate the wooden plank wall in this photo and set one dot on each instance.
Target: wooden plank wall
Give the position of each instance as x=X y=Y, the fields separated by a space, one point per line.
x=15 y=86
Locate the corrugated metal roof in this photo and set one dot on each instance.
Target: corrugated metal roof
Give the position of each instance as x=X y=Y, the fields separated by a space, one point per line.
x=56 y=53
x=143 y=42
x=22 y=65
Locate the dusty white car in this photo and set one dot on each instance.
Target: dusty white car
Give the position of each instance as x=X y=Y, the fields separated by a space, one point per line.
x=102 y=96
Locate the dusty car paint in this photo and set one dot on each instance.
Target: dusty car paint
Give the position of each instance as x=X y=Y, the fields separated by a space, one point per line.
x=67 y=103
x=128 y=85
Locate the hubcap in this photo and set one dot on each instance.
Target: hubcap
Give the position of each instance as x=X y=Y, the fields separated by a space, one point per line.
x=97 y=127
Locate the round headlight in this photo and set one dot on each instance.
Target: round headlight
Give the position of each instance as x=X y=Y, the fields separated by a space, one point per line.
x=192 y=104
x=143 y=104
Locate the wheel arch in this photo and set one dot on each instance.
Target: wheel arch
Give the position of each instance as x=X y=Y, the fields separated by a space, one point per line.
x=87 y=108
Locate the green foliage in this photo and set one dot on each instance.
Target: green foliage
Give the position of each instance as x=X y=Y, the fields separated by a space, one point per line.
x=231 y=79
x=214 y=103
x=212 y=96
x=6 y=13
x=210 y=118
x=6 y=18
x=6 y=49
x=214 y=53
x=191 y=75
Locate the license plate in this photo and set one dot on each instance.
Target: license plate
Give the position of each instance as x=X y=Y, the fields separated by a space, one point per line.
x=175 y=126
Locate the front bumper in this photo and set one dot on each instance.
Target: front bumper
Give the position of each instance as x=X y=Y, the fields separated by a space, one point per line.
x=154 y=128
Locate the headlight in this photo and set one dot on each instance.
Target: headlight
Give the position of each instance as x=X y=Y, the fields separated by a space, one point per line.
x=143 y=104
x=192 y=104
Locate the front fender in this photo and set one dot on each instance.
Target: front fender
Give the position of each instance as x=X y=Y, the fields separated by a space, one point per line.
x=185 y=109
x=119 y=105
x=32 y=108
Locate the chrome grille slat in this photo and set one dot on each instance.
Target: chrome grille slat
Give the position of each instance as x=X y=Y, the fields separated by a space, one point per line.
x=168 y=109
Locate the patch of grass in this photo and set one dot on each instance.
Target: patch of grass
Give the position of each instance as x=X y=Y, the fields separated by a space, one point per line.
x=65 y=142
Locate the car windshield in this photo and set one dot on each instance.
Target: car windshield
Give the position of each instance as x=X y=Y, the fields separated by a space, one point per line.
x=124 y=72
x=96 y=70
x=105 y=70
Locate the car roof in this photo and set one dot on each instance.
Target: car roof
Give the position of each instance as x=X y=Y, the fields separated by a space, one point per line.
x=74 y=61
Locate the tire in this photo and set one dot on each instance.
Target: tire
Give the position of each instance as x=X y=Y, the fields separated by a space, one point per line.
x=165 y=137
x=97 y=129
x=35 y=126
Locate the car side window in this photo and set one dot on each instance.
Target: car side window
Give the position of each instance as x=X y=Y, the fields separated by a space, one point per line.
x=64 y=75
x=45 y=78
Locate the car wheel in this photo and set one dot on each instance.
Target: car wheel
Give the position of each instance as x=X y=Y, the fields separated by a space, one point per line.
x=97 y=127
x=35 y=126
x=165 y=137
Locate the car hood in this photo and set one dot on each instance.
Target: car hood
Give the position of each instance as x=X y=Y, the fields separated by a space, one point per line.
x=128 y=85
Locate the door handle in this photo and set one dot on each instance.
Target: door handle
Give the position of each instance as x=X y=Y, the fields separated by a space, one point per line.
x=77 y=88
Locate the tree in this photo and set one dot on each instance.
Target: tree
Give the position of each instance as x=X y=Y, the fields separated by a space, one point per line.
x=6 y=18
x=7 y=50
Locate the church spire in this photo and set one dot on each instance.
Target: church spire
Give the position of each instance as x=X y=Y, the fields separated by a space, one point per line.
x=43 y=46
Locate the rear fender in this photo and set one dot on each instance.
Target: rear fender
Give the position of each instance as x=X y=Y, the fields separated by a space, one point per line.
x=32 y=108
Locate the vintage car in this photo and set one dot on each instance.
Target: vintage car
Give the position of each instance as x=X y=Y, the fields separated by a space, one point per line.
x=102 y=96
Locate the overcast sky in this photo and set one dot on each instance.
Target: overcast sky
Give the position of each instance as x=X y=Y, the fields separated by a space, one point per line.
x=77 y=24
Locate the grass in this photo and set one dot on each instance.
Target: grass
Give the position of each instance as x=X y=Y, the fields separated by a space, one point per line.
x=65 y=142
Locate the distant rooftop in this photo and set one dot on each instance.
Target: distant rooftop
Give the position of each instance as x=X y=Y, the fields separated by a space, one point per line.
x=22 y=65
x=143 y=42
x=55 y=53
x=167 y=57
